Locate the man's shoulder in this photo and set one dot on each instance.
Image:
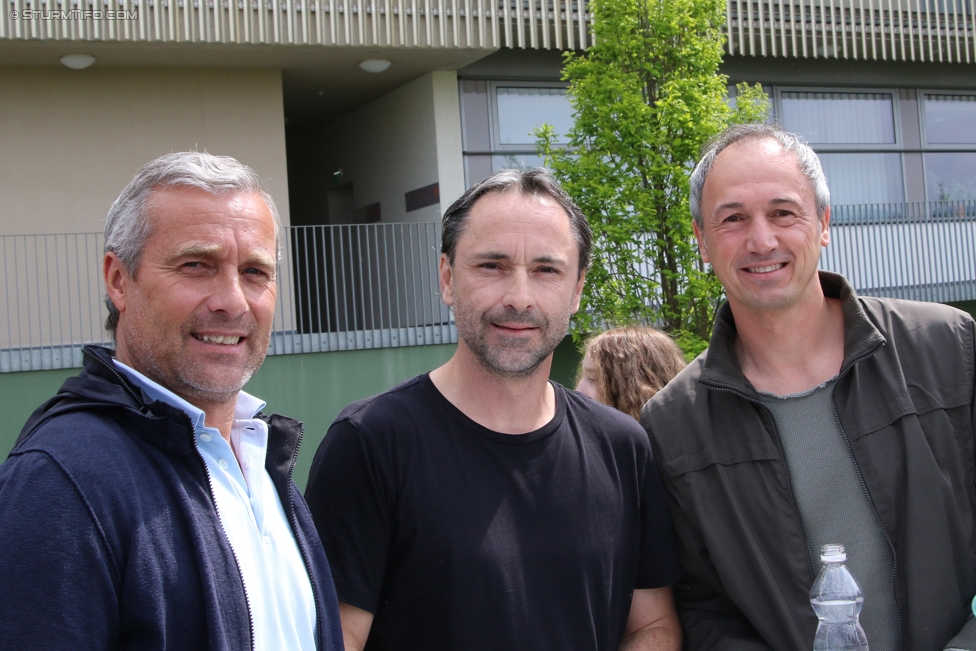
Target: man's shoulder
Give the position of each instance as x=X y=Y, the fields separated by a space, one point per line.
x=680 y=392
x=389 y=407
x=678 y=420
x=924 y=335
x=600 y=420
x=92 y=451
x=906 y=317
x=74 y=430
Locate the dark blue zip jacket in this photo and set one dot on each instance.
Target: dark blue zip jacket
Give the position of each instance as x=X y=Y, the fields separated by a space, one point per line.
x=109 y=538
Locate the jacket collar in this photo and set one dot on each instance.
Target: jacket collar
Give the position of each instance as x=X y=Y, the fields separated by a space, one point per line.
x=861 y=338
x=164 y=426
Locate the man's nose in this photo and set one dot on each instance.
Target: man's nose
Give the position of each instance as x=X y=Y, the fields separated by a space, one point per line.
x=518 y=294
x=762 y=237
x=228 y=294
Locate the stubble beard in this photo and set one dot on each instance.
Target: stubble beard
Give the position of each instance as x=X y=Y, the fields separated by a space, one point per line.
x=509 y=358
x=197 y=382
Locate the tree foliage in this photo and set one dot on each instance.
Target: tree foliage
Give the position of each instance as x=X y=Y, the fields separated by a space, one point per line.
x=646 y=96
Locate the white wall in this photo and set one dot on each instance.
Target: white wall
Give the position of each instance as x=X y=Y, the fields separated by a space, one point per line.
x=403 y=141
x=447 y=119
x=70 y=140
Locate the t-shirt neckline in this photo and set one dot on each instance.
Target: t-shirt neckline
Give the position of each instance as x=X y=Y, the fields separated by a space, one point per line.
x=499 y=437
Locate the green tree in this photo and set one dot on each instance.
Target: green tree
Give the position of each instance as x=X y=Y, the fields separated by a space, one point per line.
x=647 y=95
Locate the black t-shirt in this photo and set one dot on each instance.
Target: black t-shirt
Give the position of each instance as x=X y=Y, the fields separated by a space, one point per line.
x=460 y=538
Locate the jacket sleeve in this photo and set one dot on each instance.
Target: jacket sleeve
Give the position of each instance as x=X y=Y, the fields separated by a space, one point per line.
x=59 y=583
x=709 y=618
x=965 y=640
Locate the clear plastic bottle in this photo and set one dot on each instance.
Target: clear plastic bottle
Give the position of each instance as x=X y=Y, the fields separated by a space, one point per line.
x=837 y=600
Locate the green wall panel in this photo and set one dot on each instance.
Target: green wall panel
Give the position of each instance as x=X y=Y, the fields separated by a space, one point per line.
x=312 y=388
x=565 y=362
x=966 y=306
x=20 y=395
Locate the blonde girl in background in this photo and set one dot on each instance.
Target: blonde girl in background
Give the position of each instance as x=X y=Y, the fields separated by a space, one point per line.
x=624 y=367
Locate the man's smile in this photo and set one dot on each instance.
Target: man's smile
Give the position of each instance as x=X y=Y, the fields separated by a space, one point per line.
x=766 y=269
x=222 y=340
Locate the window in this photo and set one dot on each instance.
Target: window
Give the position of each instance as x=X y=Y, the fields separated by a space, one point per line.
x=499 y=121
x=950 y=119
x=856 y=136
x=840 y=118
x=950 y=176
x=522 y=109
x=949 y=122
x=863 y=178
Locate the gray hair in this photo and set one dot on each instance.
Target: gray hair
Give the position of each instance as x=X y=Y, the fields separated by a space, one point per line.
x=127 y=226
x=806 y=159
x=535 y=182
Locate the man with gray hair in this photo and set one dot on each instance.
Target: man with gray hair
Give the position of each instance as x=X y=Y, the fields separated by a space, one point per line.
x=815 y=417
x=481 y=506
x=149 y=504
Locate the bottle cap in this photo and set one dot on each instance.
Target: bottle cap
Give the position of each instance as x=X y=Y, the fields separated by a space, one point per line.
x=833 y=554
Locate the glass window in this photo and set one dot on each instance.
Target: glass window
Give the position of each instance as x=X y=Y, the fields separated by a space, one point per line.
x=950 y=176
x=950 y=119
x=863 y=178
x=839 y=118
x=515 y=161
x=522 y=109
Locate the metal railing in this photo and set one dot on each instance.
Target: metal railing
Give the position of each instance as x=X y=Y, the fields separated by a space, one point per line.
x=364 y=23
x=376 y=286
x=339 y=288
x=923 y=251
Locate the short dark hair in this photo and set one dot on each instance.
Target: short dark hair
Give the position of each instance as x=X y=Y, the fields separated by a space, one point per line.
x=535 y=182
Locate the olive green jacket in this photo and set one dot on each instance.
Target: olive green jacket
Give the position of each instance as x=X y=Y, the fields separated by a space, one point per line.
x=905 y=402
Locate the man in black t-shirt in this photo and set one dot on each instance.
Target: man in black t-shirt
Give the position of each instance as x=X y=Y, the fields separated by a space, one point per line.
x=480 y=506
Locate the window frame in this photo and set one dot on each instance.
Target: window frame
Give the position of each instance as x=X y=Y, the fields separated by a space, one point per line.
x=923 y=122
x=497 y=148
x=838 y=148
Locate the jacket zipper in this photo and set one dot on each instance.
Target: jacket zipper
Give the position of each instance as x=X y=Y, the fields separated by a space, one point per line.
x=864 y=487
x=213 y=499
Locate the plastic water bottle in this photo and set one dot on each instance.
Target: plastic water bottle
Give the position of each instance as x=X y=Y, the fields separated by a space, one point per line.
x=837 y=601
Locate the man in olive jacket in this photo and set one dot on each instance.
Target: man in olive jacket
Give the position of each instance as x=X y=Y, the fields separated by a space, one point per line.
x=816 y=416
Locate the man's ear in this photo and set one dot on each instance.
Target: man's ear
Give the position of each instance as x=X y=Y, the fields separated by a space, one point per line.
x=579 y=291
x=825 y=228
x=446 y=274
x=116 y=280
x=700 y=236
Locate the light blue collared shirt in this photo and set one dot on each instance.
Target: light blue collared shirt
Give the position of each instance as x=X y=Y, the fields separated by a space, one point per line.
x=279 y=592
